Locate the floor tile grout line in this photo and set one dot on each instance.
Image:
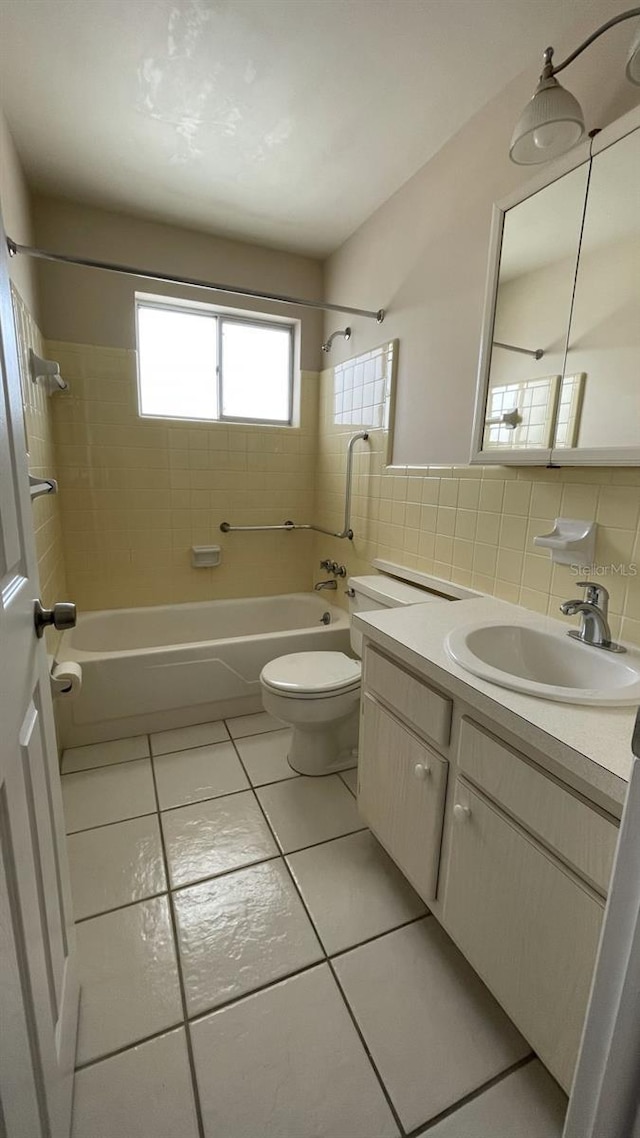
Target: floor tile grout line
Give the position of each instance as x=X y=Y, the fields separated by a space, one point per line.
x=229 y=794
x=255 y=789
x=103 y=766
x=116 y=822
x=125 y=905
x=181 y=983
x=350 y=1013
x=268 y=984
x=417 y=1132
x=312 y=845
x=150 y=754
x=212 y=877
x=377 y=936
x=198 y=747
x=425 y=1127
x=138 y=758
x=168 y=809
x=365 y=1046
x=177 y=1026
x=107 y=766
x=189 y=726
x=224 y=873
x=328 y=962
x=326 y=958
x=217 y=798
x=347 y=784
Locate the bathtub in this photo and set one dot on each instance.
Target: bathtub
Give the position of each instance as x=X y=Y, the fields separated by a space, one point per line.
x=152 y=669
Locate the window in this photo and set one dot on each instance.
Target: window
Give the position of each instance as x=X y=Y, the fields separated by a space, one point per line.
x=196 y=363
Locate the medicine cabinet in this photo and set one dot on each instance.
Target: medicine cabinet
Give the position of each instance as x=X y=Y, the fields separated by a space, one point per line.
x=559 y=372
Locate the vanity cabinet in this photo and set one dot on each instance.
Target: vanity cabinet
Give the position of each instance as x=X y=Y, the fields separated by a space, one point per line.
x=401 y=795
x=580 y=835
x=514 y=863
x=426 y=710
x=528 y=926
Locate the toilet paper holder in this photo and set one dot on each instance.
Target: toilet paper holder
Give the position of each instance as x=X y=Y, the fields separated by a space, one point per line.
x=65 y=678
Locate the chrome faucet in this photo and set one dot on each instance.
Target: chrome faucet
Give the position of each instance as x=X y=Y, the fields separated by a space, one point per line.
x=594 y=629
x=325 y=585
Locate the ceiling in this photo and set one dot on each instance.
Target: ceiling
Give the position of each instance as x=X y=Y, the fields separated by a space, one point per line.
x=285 y=122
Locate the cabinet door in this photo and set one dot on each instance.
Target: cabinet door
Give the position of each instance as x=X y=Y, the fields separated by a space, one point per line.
x=527 y=926
x=411 y=699
x=598 y=417
x=401 y=794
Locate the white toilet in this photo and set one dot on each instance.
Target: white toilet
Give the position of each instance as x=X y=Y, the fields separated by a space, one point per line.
x=318 y=693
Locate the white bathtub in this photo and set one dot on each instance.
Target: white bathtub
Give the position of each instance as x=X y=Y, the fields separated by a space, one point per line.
x=152 y=669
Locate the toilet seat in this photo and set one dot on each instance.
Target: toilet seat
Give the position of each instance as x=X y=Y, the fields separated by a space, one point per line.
x=312 y=675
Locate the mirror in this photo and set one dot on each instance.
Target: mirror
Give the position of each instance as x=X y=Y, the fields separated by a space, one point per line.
x=600 y=394
x=539 y=253
x=559 y=377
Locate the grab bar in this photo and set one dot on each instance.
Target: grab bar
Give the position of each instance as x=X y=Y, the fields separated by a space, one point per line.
x=346 y=531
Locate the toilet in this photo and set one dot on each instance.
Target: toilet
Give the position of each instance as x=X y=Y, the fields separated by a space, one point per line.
x=318 y=693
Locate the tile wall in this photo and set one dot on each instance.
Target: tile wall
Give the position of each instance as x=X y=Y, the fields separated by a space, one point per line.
x=136 y=493
x=475 y=525
x=38 y=408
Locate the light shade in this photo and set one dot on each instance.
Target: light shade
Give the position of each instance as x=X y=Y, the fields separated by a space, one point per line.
x=551 y=123
x=633 y=62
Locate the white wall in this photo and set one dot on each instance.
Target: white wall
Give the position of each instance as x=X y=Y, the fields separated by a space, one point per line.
x=15 y=205
x=423 y=254
x=92 y=307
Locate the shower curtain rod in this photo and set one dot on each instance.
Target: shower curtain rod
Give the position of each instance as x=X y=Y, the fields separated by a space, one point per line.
x=192 y=282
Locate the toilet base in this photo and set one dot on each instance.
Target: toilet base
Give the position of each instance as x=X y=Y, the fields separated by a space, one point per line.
x=318 y=749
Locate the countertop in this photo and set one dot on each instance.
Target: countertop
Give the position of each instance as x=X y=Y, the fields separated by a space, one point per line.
x=591 y=744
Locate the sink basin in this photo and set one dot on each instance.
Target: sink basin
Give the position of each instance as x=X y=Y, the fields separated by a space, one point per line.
x=546 y=664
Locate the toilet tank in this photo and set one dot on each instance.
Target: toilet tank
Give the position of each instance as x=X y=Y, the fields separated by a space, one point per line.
x=368 y=594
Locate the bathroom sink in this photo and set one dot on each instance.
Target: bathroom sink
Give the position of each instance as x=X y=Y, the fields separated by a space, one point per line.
x=546 y=664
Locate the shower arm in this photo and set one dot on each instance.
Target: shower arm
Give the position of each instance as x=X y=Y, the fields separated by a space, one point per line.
x=346 y=531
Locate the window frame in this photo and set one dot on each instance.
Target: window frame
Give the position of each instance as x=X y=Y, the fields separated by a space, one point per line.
x=220 y=316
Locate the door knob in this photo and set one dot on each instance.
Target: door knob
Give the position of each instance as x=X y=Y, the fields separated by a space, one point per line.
x=62 y=616
x=421 y=770
x=461 y=812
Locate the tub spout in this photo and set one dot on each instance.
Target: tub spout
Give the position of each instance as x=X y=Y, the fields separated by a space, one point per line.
x=325 y=585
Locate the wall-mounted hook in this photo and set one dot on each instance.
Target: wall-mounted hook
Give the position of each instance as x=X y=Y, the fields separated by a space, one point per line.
x=346 y=332
x=46 y=373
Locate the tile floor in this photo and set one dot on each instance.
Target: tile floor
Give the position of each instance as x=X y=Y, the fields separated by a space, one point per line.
x=253 y=965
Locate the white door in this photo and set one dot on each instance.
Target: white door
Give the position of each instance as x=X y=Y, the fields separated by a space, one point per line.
x=38 y=975
x=605 y=1100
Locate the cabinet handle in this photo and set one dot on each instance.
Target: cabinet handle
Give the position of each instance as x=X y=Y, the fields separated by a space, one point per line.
x=461 y=812
x=421 y=770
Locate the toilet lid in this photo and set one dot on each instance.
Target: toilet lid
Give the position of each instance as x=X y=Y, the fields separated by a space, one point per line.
x=312 y=672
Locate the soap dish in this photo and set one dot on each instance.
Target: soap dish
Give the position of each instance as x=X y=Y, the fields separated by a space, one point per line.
x=205 y=556
x=570 y=542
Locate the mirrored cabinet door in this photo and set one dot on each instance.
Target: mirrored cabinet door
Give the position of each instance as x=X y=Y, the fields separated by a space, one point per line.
x=537 y=268
x=599 y=402
x=559 y=372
